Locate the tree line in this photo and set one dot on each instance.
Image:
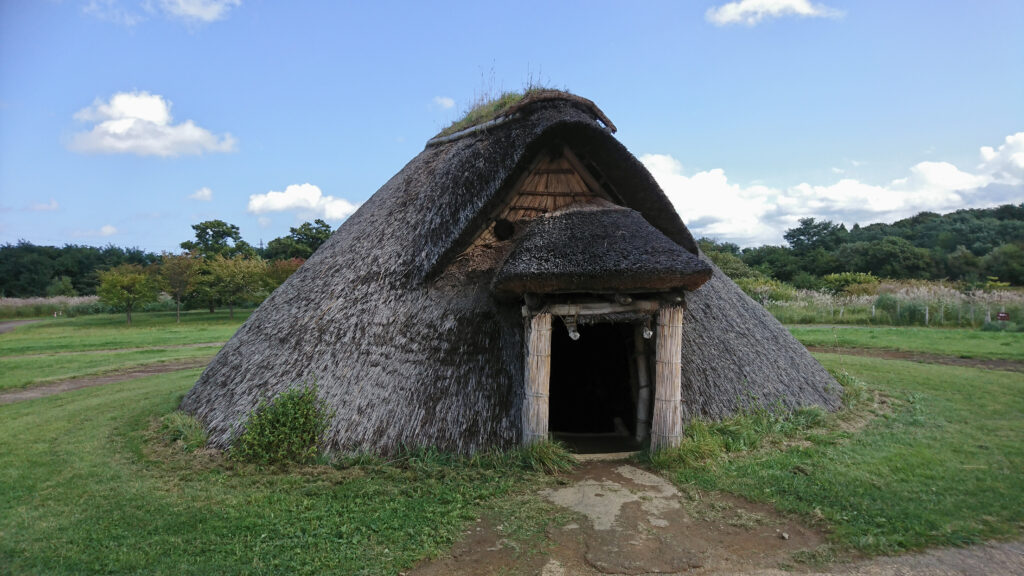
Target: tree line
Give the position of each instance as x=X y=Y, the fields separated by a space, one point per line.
x=972 y=246
x=215 y=268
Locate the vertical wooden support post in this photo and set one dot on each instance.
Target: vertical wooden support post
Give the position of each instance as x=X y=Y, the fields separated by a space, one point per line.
x=667 y=428
x=643 y=392
x=538 y=376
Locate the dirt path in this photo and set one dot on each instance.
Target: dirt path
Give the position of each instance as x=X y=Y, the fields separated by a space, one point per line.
x=42 y=390
x=12 y=324
x=631 y=521
x=925 y=358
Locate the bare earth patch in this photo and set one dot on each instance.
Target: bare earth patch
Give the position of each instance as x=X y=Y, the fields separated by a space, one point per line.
x=52 y=388
x=633 y=522
x=924 y=358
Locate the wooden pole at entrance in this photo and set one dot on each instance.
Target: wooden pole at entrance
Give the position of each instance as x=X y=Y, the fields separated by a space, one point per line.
x=643 y=392
x=667 y=427
x=538 y=376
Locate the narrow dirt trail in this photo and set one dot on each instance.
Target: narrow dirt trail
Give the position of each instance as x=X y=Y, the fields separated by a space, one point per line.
x=924 y=358
x=630 y=521
x=20 y=395
x=12 y=324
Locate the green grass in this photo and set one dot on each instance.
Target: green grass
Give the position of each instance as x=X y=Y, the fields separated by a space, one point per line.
x=24 y=371
x=83 y=489
x=942 y=468
x=949 y=342
x=109 y=332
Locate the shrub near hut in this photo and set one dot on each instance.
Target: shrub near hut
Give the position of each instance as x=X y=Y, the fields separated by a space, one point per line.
x=288 y=428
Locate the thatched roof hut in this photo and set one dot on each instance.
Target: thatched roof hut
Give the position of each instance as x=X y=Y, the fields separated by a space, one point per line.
x=520 y=276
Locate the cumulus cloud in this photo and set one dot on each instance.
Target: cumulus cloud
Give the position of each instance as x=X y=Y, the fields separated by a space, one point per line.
x=199 y=10
x=305 y=199
x=444 y=102
x=112 y=11
x=1006 y=163
x=45 y=207
x=752 y=12
x=751 y=215
x=141 y=123
x=108 y=230
x=204 y=194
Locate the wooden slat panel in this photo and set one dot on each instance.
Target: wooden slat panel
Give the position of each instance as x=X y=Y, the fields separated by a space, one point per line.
x=538 y=377
x=667 y=425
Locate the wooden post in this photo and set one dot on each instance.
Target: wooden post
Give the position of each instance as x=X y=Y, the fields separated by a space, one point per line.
x=643 y=388
x=538 y=376
x=667 y=428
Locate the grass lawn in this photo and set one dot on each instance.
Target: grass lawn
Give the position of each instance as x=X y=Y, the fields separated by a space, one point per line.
x=109 y=332
x=86 y=488
x=82 y=491
x=23 y=371
x=946 y=341
x=57 y=349
x=943 y=467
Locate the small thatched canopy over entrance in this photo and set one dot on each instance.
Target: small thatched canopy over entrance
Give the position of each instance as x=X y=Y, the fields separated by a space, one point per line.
x=519 y=277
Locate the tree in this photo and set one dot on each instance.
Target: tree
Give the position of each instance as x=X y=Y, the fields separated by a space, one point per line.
x=1006 y=263
x=217 y=237
x=234 y=279
x=126 y=287
x=279 y=270
x=179 y=273
x=61 y=286
x=812 y=234
x=300 y=243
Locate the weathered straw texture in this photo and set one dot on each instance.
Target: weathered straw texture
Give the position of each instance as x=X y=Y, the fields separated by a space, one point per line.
x=407 y=353
x=597 y=250
x=737 y=356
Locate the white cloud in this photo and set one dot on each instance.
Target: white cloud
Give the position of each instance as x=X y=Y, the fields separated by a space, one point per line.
x=306 y=199
x=141 y=123
x=111 y=11
x=444 y=102
x=199 y=10
x=1005 y=163
x=752 y=215
x=108 y=230
x=752 y=12
x=45 y=207
x=204 y=194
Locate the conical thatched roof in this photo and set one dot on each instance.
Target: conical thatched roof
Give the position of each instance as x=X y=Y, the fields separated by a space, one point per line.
x=395 y=319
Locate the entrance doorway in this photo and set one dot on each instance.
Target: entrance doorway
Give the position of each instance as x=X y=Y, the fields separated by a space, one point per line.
x=593 y=388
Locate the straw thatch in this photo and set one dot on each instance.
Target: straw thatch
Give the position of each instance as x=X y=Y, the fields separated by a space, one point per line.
x=395 y=319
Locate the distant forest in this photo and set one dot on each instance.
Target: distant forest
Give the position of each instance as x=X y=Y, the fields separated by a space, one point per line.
x=973 y=246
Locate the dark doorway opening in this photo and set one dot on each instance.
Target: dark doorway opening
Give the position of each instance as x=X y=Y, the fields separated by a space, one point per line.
x=592 y=405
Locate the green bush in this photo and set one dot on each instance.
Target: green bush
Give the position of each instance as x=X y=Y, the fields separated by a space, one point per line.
x=852 y=283
x=288 y=428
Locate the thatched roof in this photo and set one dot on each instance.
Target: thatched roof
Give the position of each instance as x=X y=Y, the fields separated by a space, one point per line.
x=410 y=347
x=610 y=250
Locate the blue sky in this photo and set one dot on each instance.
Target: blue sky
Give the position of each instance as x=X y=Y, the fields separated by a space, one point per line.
x=127 y=121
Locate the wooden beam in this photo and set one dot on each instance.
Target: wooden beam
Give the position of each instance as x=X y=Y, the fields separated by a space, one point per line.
x=585 y=308
x=667 y=427
x=538 y=377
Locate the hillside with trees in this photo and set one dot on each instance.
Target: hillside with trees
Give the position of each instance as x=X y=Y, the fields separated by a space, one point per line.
x=972 y=246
